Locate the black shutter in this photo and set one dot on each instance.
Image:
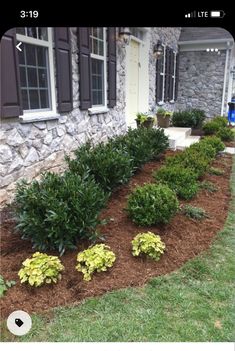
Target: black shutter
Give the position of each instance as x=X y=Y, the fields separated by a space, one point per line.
x=177 y=76
x=10 y=97
x=112 y=71
x=64 y=69
x=84 y=67
x=171 y=74
x=159 y=78
x=167 y=75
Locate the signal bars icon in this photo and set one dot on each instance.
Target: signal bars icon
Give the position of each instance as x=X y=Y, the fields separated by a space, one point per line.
x=191 y=15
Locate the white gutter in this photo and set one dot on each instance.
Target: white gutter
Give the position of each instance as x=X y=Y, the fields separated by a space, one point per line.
x=225 y=79
x=205 y=41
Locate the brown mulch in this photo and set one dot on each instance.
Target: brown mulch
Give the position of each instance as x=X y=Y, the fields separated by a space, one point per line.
x=229 y=143
x=184 y=239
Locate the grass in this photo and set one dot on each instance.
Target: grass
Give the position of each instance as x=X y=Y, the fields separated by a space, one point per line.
x=194 y=212
x=195 y=303
x=208 y=186
x=216 y=171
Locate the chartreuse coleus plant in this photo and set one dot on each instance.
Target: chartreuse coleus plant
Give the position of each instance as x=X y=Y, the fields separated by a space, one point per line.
x=40 y=269
x=96 y=258
x=5 y=284
x=148 y=244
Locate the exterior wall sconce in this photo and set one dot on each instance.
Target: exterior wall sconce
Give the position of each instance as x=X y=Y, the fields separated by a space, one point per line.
x=124 y=35
x=158 y=50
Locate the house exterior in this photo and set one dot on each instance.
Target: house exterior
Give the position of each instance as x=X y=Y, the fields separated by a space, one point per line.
x=207 y=69
x=68 y=85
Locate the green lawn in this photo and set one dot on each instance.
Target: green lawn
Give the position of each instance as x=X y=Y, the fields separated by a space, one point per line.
x=195 y=303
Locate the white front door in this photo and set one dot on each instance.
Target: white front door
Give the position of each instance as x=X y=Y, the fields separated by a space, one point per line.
x=137 y=78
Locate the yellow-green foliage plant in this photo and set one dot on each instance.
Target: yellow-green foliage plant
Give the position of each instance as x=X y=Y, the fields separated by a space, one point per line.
x=149 y=244
x=96 y=258
x=40 y=269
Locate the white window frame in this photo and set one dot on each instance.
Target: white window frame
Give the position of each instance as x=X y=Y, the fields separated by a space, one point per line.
x=101 y=108
x=163 y=74
x=174 y=77
x=42 y=114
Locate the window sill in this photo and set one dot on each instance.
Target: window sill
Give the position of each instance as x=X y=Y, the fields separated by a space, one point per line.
x=97 y=110
x=35 y=118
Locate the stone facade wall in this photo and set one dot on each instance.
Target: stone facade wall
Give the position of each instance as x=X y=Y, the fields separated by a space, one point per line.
x=168 y=36
x=201 y=78
x=28 y=149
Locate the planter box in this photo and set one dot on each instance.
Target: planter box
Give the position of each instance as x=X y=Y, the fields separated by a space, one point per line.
x=162 y=121
x=145 y=124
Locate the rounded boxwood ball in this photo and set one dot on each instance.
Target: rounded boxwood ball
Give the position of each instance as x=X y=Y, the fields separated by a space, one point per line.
x=151 y=204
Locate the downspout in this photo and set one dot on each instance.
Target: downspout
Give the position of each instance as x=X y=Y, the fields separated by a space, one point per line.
x=225 y=78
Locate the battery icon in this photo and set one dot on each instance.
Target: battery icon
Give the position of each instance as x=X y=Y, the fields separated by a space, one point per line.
x=217 y=14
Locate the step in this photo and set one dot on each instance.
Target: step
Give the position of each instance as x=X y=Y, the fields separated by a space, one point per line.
x=183 y=143
x=171 y=131
x=176 y=135
x=229 y=150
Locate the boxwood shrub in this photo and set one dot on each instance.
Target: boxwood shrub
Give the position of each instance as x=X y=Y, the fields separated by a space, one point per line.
x=225 y=134
x=192 y=159
x=181 y=180
x=151 y=204
x=57 y=211
x=213 y=141
x=203 y=149
x=212 y=127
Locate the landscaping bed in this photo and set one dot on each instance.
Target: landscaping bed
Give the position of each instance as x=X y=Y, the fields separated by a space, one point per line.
x=184 y=239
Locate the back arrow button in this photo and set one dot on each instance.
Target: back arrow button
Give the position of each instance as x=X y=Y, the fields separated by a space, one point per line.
x=18 y=46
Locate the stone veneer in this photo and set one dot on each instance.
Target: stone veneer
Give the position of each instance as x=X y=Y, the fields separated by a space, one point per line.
x=201 y=77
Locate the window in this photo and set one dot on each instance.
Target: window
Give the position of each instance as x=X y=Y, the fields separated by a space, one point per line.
x=136 y=32
x=166 y=76
x=36 y=71
x=98 y=67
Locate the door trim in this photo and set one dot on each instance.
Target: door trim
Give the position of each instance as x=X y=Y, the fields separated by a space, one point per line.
x=143 y=85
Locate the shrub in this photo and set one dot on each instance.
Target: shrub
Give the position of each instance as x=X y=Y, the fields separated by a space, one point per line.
x=142 y=144
x=210 y=127
x=152 y=203
x=148 y=244
x=191 y=159
x=213 y=126
x=215 y=142
x=221 y=121
x=96 y=258
x=225 y=134
x=194 y=212
x=204 y=149
x=216 y=171
x=199 y=116
x=41 y=269
x=110 y=167
x=181 y=180
x=58 y=211
x=209 y=186
x=5 y=285
x=189 y=118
